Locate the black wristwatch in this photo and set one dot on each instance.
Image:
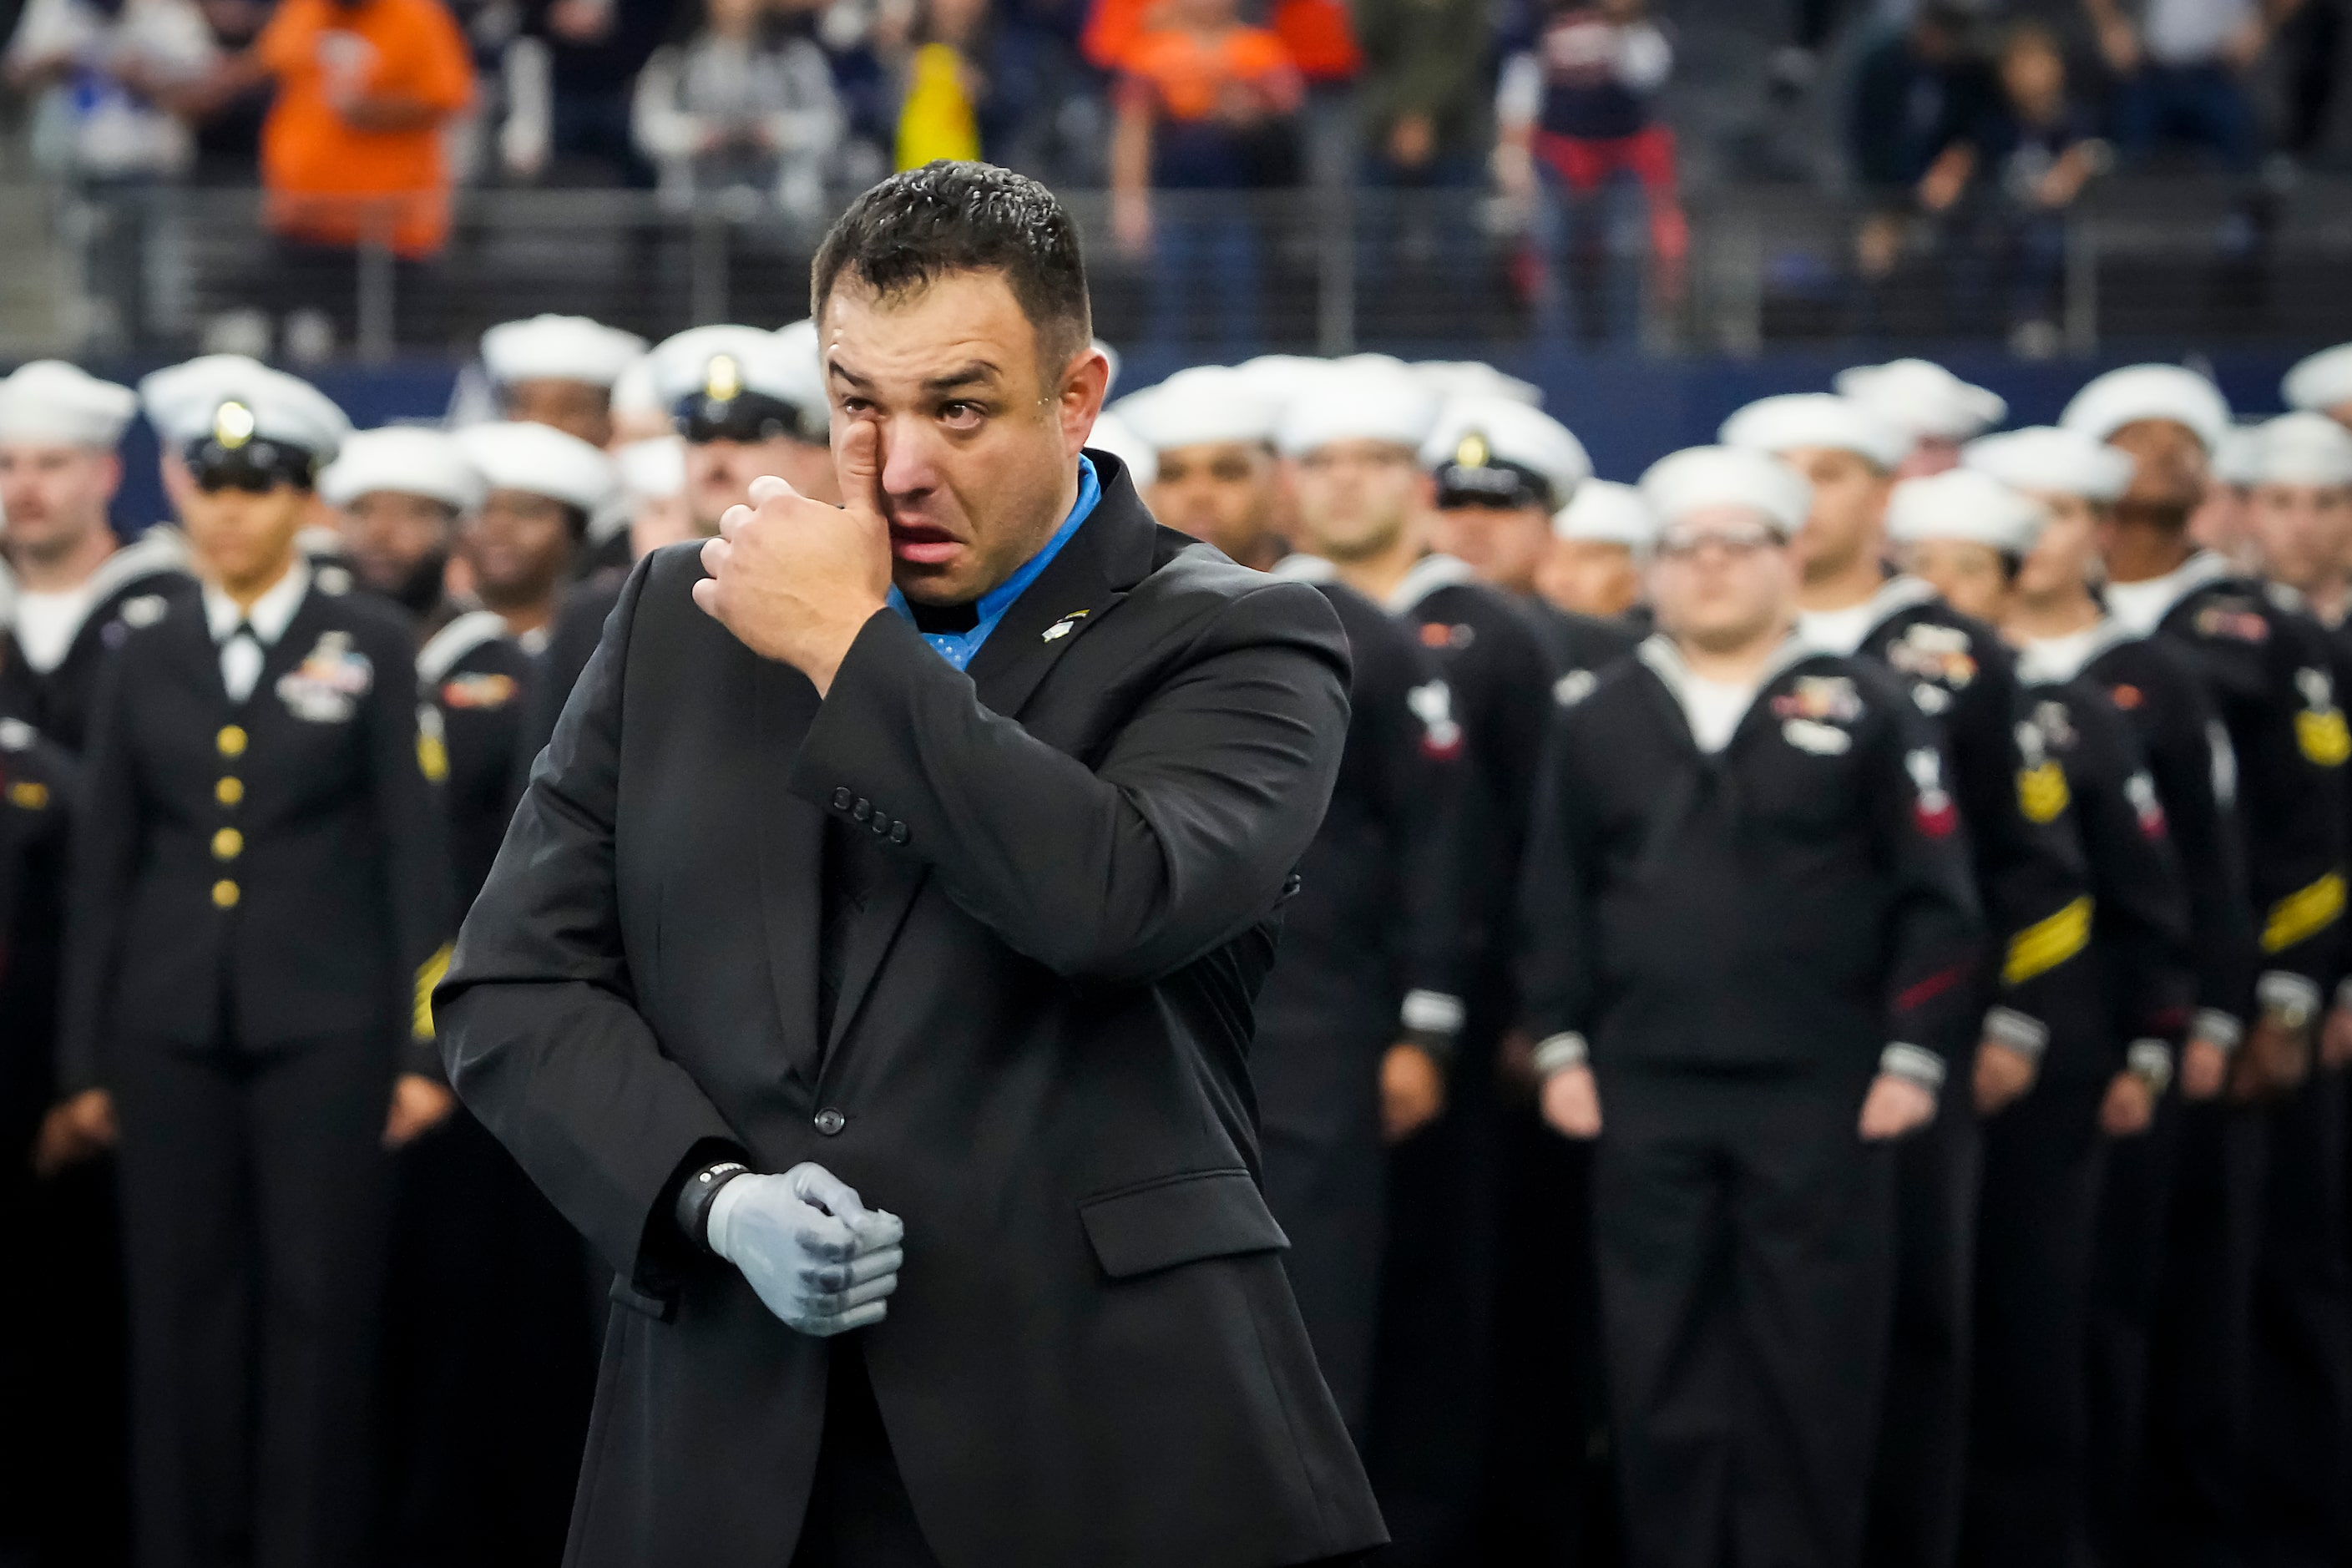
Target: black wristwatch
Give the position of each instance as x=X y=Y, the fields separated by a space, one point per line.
x=698 y=1193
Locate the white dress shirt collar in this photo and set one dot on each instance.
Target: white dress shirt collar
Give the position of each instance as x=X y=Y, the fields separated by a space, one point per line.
x=271 y=614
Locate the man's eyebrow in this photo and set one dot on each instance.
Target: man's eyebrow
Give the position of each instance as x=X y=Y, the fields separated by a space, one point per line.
x=978 y=370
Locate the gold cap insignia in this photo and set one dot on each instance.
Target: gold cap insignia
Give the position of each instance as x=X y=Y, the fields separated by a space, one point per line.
x=723 y=379
x=1472 y=452
x=233 y=424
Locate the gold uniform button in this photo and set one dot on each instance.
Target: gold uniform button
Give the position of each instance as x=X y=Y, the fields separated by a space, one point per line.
x=225 y=894
x=229 y=792
x=227 y=844
x=231 y=740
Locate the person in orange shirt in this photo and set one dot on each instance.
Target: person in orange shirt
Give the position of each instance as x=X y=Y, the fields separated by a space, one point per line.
x=350 y=150
x=1205 y=103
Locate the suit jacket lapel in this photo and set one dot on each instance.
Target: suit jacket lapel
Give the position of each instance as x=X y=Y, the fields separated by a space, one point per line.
x=1110 y=552
x=791 y=836
x=1109 y=555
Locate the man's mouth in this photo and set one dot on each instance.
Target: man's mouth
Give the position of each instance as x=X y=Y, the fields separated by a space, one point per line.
x=922 y=545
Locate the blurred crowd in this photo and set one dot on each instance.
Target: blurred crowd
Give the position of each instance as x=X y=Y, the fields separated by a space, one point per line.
x=1968 y=125
x=284 y=1301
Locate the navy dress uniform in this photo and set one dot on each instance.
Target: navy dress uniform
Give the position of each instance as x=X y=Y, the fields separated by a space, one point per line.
x=1490 y=453
x=52 y=646
x=2249 y=1416
x=2032 y=887
x=36 y=791
x=1369 y=958
x=491 y=1332
x=490 y=1353
x=1436 y=1372
x=2159 y=690
x=259 y=906
x=2037 y=1201
x=1739 y=934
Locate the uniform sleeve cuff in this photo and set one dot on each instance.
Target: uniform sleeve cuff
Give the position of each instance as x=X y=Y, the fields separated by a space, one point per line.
x=2028 y=1036
x=1561 y=1052
x=2223 y=1029
x=2150 y=1062
x=1918 y=1064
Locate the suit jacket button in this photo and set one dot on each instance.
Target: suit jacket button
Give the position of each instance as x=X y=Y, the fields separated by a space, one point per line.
x=841 y=798
x=830 y=1121
x=231 y=740
x=862 y=810
x=898 y=833
x=881 y=824
x=225 y=894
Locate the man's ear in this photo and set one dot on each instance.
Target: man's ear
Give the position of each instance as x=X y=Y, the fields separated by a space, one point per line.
x=1086 y=381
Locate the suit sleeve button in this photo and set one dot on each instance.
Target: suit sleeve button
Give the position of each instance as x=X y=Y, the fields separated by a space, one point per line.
x=881 y=824
x=898 y=833
x=830 y=1121
x=841 y=798
x=862 y=810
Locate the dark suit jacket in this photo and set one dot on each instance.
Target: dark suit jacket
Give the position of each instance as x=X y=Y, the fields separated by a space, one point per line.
x=1038 y=1057
x=313 y=889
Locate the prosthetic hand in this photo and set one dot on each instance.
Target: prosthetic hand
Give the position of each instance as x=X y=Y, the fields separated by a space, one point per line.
x=821 y=1260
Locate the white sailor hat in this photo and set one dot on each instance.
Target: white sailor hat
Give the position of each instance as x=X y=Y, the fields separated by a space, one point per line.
x=2136 y=392
x=2237 y=456
x=56 y=404
x=1113 y=435
x=1365 y=401
x=1453 y=378
x=2047 y=460
x=735 y=383
x=652 y=469
x=407 y=459
x=1282 y=378
x=633 y=391
x=559 y=348
x=235 y=415
x=1795 y=420
x=1922 y=399
x=1206 y=406
x=1606 y=512
x=2321 y=381
x=2303 y=448
x=1698 y=478
x=540 y=461
x=1964 y=504
x=1494 y=451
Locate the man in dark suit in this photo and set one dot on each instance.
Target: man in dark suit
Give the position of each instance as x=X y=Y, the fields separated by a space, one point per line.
x=939 y=838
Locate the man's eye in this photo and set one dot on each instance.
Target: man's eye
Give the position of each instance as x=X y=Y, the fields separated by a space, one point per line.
x=959 y=412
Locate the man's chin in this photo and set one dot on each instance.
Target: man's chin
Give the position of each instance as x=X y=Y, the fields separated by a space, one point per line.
x=927 y=583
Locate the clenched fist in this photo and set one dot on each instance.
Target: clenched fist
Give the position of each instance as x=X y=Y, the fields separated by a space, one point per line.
x=795 y=579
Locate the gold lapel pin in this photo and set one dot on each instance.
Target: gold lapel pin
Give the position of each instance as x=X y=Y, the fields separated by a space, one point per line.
x=1064 y=627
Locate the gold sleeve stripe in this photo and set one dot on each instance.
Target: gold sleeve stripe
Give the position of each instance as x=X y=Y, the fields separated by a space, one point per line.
x=2305 y=913
x=2046 y=944
x=428 y=975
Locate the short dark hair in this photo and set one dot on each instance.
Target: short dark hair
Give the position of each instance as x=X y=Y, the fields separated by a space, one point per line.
x=921 y=224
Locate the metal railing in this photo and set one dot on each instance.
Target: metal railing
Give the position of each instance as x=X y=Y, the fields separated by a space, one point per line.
x=164 y=271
